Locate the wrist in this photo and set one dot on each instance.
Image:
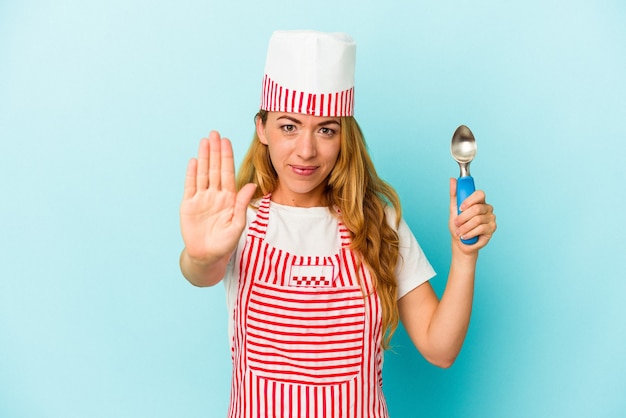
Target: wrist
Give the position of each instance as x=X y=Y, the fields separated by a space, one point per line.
x=464 y=257
x=202 y=271
x=198 y=262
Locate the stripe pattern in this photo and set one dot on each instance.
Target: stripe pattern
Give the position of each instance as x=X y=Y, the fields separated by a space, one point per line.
x=302 y=350
x=277 y=98
x=287 y=325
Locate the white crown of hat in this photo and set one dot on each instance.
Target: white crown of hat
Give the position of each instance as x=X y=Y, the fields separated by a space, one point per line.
x=310 y=72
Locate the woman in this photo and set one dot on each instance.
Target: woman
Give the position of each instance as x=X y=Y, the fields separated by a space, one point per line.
x=318 y=264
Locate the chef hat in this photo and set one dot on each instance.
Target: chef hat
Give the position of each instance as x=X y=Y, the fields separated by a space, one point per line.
x=309 y=72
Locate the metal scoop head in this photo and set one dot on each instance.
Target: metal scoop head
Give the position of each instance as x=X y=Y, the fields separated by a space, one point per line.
x=463 y=148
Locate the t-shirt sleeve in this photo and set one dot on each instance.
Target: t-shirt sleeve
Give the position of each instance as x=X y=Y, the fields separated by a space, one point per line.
x=413 y=267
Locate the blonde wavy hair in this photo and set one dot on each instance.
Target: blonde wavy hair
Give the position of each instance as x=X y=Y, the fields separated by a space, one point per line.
x=361 y=196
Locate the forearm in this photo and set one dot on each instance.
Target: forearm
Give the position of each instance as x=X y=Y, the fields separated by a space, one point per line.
x=202 y=273
x=450 y=320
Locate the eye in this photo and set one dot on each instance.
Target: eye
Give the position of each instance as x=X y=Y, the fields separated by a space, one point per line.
x=288 y=128
x=327 y=131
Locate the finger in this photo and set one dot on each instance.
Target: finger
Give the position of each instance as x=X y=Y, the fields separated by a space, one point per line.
x=453 y=210
x=481 y=231
x=190 y=179
x=202 y=171
x=484 y=224
x=228 y=166
x=215 y=160
x=474 y=211
x=244 y=196
x=467 y=229
x=477 y=197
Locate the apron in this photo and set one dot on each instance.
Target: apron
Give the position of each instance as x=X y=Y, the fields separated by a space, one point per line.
x=307 y=340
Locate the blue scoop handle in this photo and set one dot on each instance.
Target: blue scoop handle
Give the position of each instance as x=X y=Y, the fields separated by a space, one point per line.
x=464 y=188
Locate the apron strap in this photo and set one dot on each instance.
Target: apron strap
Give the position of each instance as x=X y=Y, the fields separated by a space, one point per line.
x=258 y=227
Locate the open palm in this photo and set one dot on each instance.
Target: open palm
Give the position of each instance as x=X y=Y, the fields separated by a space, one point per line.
x=213 y=213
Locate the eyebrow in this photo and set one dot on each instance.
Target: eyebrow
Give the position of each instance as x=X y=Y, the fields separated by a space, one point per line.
x=299 y=122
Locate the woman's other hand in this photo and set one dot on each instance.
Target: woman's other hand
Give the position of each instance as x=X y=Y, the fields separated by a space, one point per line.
x=476 y=219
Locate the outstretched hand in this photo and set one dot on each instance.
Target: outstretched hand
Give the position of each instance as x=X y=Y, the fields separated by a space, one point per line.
x=213 y=213
x=476 y=219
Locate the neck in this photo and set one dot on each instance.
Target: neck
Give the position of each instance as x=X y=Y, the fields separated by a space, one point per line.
x=302 y=200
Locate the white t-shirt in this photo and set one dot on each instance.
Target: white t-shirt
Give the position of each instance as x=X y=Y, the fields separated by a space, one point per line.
x=314 y=231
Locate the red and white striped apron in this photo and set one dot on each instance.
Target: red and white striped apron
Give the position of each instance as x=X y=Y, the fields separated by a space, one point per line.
x=307 y=339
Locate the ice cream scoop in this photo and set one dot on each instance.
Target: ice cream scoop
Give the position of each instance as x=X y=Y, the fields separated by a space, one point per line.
x=463 y=148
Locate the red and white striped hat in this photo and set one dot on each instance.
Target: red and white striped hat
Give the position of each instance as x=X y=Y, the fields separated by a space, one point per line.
x=309 y=72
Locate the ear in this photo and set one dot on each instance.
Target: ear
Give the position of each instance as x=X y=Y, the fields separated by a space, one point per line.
x=260 y=131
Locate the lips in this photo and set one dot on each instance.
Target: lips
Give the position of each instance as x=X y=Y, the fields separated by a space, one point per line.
x=303 y=170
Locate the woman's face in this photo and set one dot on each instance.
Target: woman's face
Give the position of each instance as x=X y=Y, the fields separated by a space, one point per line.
x=303 y=150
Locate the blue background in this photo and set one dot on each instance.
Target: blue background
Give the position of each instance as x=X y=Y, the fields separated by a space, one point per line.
x=103 y=102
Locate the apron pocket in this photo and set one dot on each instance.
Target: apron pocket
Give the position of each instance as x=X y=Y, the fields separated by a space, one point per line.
x=305 y=335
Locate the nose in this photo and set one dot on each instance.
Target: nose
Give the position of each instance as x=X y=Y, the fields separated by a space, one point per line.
x=306 y=145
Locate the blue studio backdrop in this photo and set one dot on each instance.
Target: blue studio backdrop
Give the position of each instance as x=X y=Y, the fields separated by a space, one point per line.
x=102 y=103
